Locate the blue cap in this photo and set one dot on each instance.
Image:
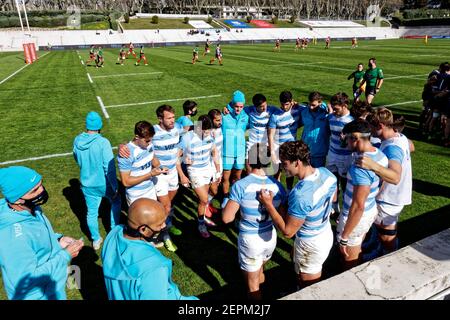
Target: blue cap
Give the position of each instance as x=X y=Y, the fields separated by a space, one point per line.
x=238 y=96
x=15 y=182
x=93 y=121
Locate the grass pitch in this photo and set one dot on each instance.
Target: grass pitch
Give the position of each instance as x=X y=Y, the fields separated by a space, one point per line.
x=43 y=108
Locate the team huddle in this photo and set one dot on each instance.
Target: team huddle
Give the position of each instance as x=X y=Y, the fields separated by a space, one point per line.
x=351 y=165
x=355 y=156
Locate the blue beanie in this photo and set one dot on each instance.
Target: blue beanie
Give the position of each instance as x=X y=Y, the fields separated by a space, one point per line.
x=93 y=121
x=17 y=181
x=238 y=96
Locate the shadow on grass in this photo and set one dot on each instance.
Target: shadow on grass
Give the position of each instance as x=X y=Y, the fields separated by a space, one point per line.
x=77 y=204
x=92 y=286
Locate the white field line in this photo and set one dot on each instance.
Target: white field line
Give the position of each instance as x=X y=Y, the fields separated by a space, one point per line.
x=90 y=78
x=161 y=101
x=404 y=77
x=56 y=155
x=82 y=62
x=125 y=74
x=17 y=71
x=401 y=103
x=297 y=64
x=100 y=102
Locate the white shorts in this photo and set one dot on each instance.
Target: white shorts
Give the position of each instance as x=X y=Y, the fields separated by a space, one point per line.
x=166 y=182
x=388 y=214
x=311 y=253
x=339 y=164
x=357 y=236
x=255 y=249
x=149 y=194
x=200 y=177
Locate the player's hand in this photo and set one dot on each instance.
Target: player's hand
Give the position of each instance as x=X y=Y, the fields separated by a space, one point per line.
x=74 y=247
x=343 y=250
x=225 y=111
x=274 y=158
x=265 y=197
x=124 y=151
x=65 y=241
x=366 y=162
x=156 y=172
x=185 y=181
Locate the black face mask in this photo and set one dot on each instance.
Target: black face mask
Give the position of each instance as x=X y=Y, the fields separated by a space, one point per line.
x=39 y=200
x=193 y=113
x=136 y=234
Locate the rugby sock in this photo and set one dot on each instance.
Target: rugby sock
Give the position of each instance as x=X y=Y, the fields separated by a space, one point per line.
x=201 y=220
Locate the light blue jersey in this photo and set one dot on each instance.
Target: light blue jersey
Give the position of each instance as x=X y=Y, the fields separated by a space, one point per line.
x=185 y=121
x=197 y=150
x=138 y=164
x=336 y=126
x=311 y=201
x=316 y=131
x=358 y=176
x=165 y=144
x=286 y=124
x=257 y=124
x=254 y=217
x=233 y=130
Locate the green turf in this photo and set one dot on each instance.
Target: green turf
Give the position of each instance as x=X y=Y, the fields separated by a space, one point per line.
x=44 y=106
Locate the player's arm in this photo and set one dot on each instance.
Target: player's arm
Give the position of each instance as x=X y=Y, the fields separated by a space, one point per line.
x=288 y=225
x=379 y=84
x=352 y=75
x=215 y=157
x=272 y=132
x=183 y=179
x=391 y=174
x=129 y=181
x=230 y=210
x=359 y=197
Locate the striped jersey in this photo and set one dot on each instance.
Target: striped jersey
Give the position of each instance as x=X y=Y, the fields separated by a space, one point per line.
x=254 y=217
x=197 y=150
x=286 y=124
x=397 y=149
x=336 y=126
x=165 y=144
x=311 y=201
x=138 y=164
x=358 y=176
x=218 y=140
x=257 y=124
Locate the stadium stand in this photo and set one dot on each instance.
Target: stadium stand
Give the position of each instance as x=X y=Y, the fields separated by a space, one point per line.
x=12 y=40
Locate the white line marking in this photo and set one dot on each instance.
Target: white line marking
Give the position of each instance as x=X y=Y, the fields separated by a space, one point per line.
x=103 y=107
x=56 y=155
x=82 y=62
x=401 y=103
x=89 y=77
x=160 y=101
x=296 y=64
x=80 y=57
x=411 y=76
x=253 y=58
x=17 y=71
x=125 y=74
